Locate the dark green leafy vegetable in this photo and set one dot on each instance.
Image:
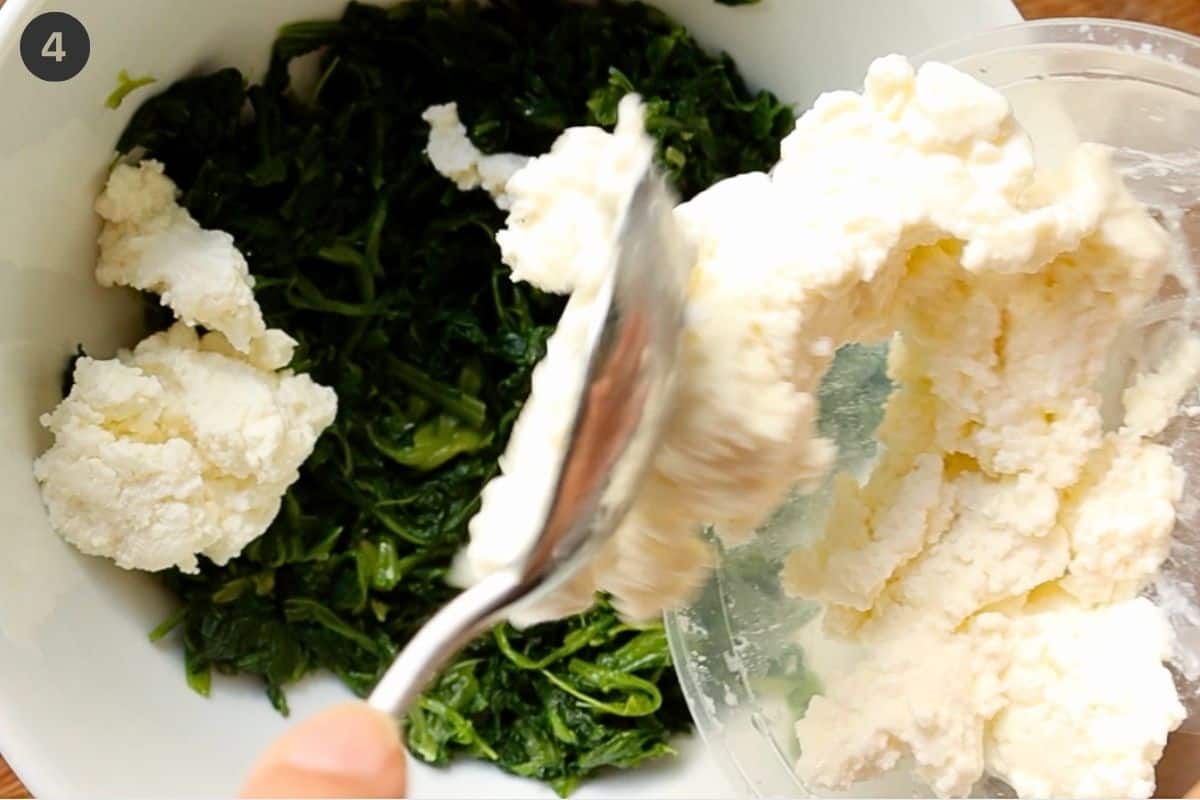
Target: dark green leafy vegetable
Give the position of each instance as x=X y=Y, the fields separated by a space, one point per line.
x=68 y=374
x=391 y=282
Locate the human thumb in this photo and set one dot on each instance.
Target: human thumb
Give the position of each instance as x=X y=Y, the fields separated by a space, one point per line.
x=350 y=750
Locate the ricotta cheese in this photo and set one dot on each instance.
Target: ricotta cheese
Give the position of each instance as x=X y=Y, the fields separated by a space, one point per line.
x=1087 y=705
x=149 y=242
x=179 y=447
x=454 y=155
x=988 y=568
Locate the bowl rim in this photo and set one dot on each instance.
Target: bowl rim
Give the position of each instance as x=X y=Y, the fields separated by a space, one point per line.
x=36 y=775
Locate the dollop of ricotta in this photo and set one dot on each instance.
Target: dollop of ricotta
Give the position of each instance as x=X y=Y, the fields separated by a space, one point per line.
x=149 y=242
x=455 y=156
x=179 y=447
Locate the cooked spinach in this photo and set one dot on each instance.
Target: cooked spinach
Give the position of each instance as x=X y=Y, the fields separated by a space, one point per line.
x=390 y=280
x=68 y=373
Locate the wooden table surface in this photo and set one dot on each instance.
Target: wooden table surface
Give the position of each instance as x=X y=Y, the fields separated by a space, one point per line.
x=1182 y=763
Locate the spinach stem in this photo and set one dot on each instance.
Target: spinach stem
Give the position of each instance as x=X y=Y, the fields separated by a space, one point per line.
x=470 y=410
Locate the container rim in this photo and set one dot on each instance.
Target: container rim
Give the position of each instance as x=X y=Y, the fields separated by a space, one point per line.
x=1166 y=45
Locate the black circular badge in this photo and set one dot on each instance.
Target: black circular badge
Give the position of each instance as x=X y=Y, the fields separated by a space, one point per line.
x=55 y=46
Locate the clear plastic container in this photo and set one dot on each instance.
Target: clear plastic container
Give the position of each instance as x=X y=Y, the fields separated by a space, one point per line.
x=1132 y=86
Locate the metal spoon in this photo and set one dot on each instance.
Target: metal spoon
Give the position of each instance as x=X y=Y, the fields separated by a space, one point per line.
x=634 y=343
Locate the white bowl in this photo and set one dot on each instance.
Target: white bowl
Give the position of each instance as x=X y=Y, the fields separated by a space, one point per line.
x=87 y=706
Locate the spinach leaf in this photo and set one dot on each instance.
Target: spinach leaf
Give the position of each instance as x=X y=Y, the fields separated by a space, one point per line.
x=391 y=281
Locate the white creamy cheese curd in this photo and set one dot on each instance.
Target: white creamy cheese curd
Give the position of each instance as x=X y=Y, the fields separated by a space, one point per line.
x=566 y=204
x=1043 y=700
x=743 y=430
x=149 y=242
x=454 y=155
x=1119 y=518
x=1087 y=704
x=181 y=447
x=921 y=695
x=987 y=570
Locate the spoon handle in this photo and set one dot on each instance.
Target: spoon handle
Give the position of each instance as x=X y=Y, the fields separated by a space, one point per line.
x=447 y=632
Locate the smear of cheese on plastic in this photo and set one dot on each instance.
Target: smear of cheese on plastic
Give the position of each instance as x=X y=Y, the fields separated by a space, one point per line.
x=1151 y=401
